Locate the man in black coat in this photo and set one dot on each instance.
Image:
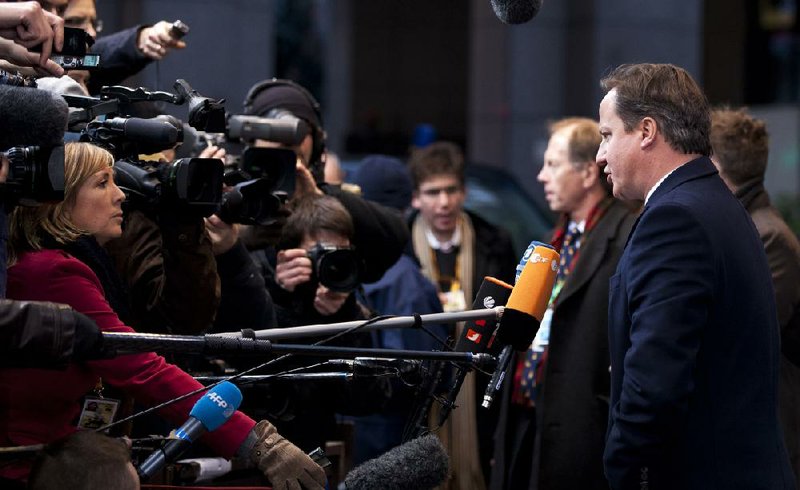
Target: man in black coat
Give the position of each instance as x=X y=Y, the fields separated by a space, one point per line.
x=551 y=432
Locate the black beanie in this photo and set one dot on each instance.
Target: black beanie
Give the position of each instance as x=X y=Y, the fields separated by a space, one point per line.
x=286 y=97
x=29 y=116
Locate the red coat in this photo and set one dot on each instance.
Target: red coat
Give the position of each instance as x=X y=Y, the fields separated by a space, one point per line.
x=41 y=405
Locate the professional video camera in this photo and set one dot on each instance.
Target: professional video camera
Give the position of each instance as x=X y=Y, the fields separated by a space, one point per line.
x=259 y=185
x=35 y=175
x=261 y=181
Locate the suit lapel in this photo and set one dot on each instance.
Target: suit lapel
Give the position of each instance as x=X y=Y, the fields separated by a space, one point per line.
x=593 y=251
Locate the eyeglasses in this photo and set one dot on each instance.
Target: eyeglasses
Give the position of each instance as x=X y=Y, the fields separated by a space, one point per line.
x=83 y=22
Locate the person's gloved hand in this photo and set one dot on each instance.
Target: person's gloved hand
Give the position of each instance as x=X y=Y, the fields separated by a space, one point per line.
x=88 y=340
x=283 y=463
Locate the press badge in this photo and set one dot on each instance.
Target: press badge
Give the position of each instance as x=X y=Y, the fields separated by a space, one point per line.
x=453 y=301
x=97 y=412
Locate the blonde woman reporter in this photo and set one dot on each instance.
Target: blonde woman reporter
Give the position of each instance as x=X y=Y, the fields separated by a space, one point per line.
x=56 y=255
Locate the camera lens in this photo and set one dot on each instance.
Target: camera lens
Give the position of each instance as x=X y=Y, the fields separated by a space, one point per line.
x=338 y=270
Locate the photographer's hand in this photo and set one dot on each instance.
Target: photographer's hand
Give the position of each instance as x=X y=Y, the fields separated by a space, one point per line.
x=304 y=184
x=328 y=302
x=27 y=24
x=155 y=41
x=223 y=235
x=19 y=57
x=293 y=269
x=212 y=151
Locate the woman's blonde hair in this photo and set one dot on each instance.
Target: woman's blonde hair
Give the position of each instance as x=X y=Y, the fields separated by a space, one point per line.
x=29 y=225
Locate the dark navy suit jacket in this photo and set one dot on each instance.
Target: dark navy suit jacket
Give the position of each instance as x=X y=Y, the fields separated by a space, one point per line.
x=694 y=345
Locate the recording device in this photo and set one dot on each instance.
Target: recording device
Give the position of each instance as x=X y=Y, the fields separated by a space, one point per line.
x=516 y=11
x=127 y=137
x=336 y=268
x=74 y=56
x=284 y=128
x=32 y=139
x=35 y=175
x=421 y=464
x=211 y=411
x=205 y=113
x=524 y=310
x=262 y=181
x=178 y=29
x=189 y=186
x=477 y=335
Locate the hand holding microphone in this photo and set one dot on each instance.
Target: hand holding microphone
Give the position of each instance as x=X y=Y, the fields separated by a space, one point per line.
x=283 y=463
x=208 y=414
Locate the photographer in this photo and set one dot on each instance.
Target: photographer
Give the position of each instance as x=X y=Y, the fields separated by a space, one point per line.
x=167 y=263
x=36 y=334
x=318 y=272
x=380 y=235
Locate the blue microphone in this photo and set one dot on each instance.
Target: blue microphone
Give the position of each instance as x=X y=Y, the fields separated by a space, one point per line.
x=211 y=411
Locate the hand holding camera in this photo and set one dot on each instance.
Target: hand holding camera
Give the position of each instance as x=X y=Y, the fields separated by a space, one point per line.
x=293 y=268
x=26 y=25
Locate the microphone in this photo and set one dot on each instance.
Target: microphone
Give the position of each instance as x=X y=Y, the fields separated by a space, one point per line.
x=478 y=335
x=290 y=131
x=421 y=463
x=516 y=11
x=524 y=310
x=208 y=414
x=154 y=134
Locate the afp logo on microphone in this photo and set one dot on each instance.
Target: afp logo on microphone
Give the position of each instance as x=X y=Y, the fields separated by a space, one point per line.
x=221 y=403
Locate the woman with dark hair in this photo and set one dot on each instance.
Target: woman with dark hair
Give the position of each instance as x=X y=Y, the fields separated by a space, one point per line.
x=56 y=255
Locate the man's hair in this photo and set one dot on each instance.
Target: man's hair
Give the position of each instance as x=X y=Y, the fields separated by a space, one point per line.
x=440 y=158
x=28 y=226
x=583 y=141
x=670 y=96
x=741 y=145
x=312 y=214
x=87 y=460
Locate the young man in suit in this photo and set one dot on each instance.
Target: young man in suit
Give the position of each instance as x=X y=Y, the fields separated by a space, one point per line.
x=693 y=332
x=554 y=418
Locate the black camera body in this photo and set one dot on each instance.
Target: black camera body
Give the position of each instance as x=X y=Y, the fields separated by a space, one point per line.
x=35 y=175
x=187 y=187
x=74 y=56
x=262 y=181
x=336 y=268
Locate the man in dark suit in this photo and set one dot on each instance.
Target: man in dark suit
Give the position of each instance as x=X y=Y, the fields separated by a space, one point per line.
x=693 y=332
x=547 y=433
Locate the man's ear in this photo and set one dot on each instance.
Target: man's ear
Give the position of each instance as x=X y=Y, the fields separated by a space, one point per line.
x=649 y=129
x=591 y=173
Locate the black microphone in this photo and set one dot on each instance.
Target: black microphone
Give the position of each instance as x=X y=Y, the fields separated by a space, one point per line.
x=289 y=131
x=524 y=310
x=208 y=414
x=31 y=117
x=421 y=464
x=477 y=335
x=516 y=11
x=371 y=366
x=155 y=134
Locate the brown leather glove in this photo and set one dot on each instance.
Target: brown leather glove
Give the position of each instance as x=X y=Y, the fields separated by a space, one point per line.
x=283 y=463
